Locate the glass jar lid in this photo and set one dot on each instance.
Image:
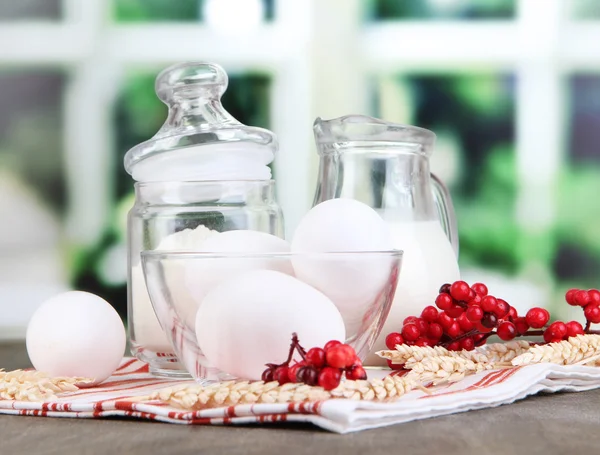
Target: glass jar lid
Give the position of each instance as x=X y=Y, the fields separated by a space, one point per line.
x=200 y=140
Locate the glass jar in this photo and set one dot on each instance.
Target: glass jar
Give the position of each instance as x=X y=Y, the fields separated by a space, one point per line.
x=202 y=172
x=179 y=216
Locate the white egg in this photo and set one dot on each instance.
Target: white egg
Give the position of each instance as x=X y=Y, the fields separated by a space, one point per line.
x=248 y=321
x=203 y=274
x=352 y=282
x=76 y=334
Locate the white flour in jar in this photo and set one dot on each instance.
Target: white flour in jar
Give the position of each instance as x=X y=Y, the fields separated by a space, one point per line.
x=147 y=333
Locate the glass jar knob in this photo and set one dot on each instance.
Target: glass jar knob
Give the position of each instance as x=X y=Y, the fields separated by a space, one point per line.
x=193 y=93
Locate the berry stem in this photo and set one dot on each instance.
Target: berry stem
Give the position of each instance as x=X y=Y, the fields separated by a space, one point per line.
x=294 y=345
x=461 y=337
x=587 y=326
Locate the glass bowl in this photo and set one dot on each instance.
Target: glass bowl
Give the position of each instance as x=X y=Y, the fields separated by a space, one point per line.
x=360 y=284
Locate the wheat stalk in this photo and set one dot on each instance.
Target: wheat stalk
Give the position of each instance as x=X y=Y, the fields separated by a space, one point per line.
x=35 y=386
x=196 y=397
x=580 y=349
x=403 y=353
x=502 y=353
x=441 y=369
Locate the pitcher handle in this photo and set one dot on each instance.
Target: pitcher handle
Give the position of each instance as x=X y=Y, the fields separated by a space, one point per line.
x=442 y=199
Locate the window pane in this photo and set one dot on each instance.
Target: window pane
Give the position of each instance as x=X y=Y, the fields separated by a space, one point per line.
x=585 y=9
x=578 y=259
x=169 y=10
x=30 y=9
x=440 y=9
x=32 y=193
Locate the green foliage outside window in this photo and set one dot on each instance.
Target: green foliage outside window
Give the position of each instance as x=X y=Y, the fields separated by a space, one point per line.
x=433 y=9
x=168 y=10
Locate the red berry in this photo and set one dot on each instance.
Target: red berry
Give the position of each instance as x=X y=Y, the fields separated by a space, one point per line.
x=444 y=301
x=479 y=339
x=267 y=375
x=454 y=346
x=357 y=373
x=308 y=375
x=316 y=357
x=293 y=371
x=329 y=378
x=476 y=300
x=574 y=328
x=435 y=331
x=480 y=289
x=582 y=298
x=331 y=344
x=444 y=320
x=411 y=332
x=460 y=290
x=592 y=313
x=423 y=342
x=506 y=331
x=483 y=329
x=488 y=303
x=429 y=313
x=392 y=340
x=489 y=320
x=521 y=325
x=455 y=311
x=468 y=344
x=454 y=330
x=281 y=375
x=465 y=324
x=502 y=308
x=570 y=296
x=395 y=366
x=557 y=330
x=537 y=317
x=410 y=320
x=340 y=356
x=474 y=313
x=594 y=295
x=423 y=325
x=512 y=313
x=445 y=289
x=472 y=295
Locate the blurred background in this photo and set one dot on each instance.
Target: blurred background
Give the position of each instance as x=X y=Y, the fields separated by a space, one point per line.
x=511 y=87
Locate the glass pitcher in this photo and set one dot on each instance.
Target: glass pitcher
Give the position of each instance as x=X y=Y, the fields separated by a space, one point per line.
x=386 y=166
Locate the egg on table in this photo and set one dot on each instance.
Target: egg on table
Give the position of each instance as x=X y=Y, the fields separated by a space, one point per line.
x=76 y=334
x=247 y=321
x=203 y=274
x=352 y=282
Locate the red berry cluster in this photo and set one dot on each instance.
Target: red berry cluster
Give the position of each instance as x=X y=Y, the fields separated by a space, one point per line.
x=589 y=300
x=466 y=316
x=319 y=366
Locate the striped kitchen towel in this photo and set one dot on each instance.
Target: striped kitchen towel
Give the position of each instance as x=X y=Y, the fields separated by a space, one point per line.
x=120 y=396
